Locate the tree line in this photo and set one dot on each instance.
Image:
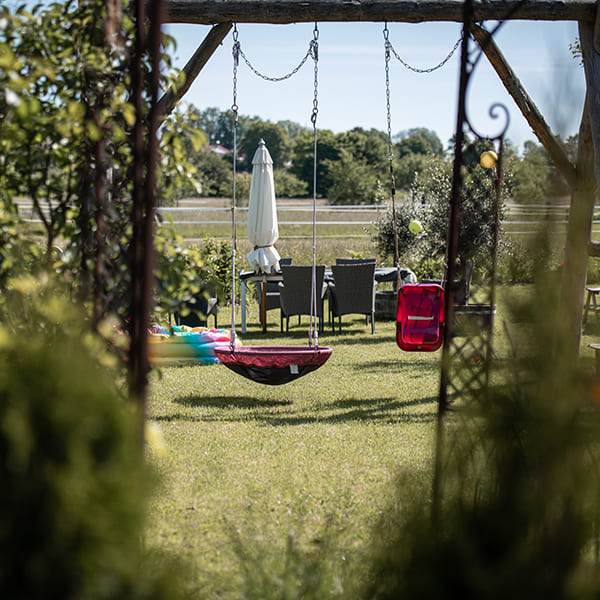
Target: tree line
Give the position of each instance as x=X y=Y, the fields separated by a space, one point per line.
x=353 y=167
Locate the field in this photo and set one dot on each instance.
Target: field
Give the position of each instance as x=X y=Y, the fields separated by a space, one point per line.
x=259 y=482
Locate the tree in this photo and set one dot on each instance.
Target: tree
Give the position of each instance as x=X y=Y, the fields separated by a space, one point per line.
x=276 y=139
x=74 y=481
x=181 y=140
x=287 y=185
x=408 y=167
x=531 y=176
x=65 y=137
x=214 y=173
x=431 y=138
x=209 y=121
x=368 y=146
x=354 y=181
x=477 y=205
x=294 y=129
x=328 y=149
x=413 y=153
x=408 y=243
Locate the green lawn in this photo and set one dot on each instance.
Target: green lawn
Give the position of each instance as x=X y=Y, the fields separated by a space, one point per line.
x=267 y=471
x=316 y=454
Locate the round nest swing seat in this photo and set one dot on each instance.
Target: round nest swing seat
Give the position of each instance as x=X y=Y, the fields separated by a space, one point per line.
x=272 y=365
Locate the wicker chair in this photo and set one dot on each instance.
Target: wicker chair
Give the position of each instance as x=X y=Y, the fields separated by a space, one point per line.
x=352 y=292
x=200 y=307
x=295 y=292
x=353 y=261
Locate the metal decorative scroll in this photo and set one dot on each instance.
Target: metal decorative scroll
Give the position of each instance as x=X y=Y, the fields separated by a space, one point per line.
x=471 y=251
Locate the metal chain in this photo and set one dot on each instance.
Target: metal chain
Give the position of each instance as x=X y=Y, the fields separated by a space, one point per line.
x=387 y=95
x=390 y=48
x=234 y=108
x=313 y=330
x=309 y=53
x=391 y=154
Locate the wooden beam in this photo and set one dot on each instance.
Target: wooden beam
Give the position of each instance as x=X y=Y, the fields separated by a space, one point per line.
x=191 y=70
x=208 y=12
x=526 y=105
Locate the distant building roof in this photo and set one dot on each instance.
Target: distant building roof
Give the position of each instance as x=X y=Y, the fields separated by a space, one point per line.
x=217 y=149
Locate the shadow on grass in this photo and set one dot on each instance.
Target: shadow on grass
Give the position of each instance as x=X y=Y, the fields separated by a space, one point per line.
x=375 y=410
x=418 y=367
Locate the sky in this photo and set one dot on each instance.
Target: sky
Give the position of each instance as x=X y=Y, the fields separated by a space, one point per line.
x=351 y=76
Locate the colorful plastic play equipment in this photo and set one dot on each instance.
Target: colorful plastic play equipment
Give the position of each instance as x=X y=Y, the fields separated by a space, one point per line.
x=186 y=345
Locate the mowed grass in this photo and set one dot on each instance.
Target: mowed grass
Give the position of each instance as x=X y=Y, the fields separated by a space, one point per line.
x=312 y=459
x=252 y=470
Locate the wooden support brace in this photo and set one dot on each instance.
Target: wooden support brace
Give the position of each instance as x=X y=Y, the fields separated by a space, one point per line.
x=525 y=104
x=191 y=70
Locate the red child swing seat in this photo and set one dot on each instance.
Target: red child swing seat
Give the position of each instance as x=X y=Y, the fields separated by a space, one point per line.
x=420 y=317
x=272 y=365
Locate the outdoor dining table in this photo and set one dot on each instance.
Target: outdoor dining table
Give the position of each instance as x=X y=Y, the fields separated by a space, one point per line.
x=382 y=275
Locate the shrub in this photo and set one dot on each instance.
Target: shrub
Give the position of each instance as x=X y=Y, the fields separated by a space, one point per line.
x=354 y=181
x=288 y=185
x=515 y=514
x=74 y=481
x=408 y=243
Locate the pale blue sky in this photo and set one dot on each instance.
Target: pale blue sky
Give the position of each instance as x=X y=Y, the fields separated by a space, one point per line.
x=352 y=75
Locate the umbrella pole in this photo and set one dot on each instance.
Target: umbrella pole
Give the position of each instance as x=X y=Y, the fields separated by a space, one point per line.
x=263 y=316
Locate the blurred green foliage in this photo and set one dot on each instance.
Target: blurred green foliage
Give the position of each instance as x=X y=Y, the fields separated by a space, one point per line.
x=75 y=482
x=518 y=470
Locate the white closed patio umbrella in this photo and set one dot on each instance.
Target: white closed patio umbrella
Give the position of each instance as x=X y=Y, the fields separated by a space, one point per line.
x=263 y=231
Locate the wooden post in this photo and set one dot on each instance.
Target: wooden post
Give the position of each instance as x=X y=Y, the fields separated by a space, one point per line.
x=591 y=64
x=579 y=228
x=584 y=194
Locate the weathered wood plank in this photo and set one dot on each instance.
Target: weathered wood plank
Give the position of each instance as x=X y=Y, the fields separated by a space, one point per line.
x=583 y=196
x=209 y=12
x=591 y=64
x=525 y=104
x=191 y=70
x=579 y=228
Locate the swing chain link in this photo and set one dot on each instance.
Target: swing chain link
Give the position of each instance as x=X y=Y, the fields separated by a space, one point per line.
x=236 y=61
x=313 y=328
x=389 y=48
x=309 y=53
x=234 y=108
x=391 y=154
x=387 y=94
x=314 y=52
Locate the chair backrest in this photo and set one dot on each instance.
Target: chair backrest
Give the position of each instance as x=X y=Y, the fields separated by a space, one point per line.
x=354 y=261
x=354 y=287
x=462 y=289
x=296 y=289
x=285 y=261
x=200 y=307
